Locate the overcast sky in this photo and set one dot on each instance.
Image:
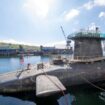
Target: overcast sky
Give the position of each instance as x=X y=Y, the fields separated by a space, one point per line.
x=38 y=21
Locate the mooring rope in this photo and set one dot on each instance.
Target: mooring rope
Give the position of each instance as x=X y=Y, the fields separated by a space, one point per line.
x=86 y=80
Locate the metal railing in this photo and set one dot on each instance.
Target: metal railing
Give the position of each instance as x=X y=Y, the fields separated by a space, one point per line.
x=86 y=34
x=87 y=58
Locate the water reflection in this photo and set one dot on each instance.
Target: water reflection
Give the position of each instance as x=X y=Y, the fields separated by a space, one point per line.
x=102 y=96
x=66 y=100
x=13 y=101
x=86 y=97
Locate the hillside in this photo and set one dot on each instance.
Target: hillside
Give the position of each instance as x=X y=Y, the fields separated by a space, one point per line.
x=16 y=46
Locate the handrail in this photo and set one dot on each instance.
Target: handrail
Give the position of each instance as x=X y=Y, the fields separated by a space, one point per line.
x=87 y=59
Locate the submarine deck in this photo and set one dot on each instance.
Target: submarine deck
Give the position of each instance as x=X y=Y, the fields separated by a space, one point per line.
x=21 y=74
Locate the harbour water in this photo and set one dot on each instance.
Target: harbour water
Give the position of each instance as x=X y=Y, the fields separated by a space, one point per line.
x=16 y=63
x=82 y=96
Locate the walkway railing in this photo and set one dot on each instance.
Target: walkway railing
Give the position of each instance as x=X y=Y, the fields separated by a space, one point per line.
x=87 y=59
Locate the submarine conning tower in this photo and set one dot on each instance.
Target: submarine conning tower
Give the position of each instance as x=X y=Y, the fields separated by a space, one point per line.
x=87 y=44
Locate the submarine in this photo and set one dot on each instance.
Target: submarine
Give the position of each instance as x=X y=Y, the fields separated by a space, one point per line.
x=87 y=66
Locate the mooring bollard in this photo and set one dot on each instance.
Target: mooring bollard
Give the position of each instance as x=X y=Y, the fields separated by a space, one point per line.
x=28 y=66
x=40 y=66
